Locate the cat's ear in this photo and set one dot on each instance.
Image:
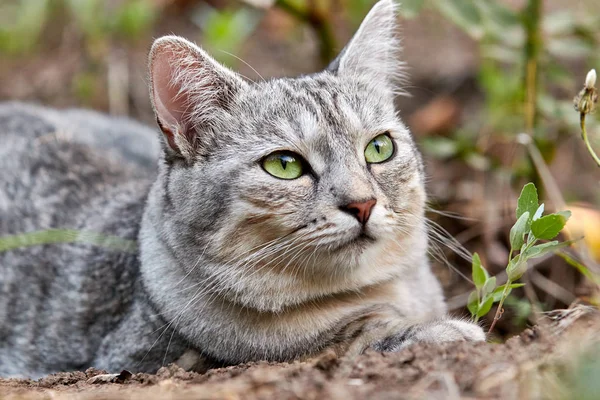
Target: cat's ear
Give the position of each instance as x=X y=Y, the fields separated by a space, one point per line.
x=373 y=51
x=187 y=90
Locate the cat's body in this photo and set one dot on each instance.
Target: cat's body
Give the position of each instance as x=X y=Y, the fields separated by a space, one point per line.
x=61 y=303
x=235 y=263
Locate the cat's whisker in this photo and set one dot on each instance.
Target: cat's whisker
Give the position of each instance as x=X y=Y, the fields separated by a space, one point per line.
x=448 y=214
x=298 y=253
x=439 y=236
x=289 y=247
x=208 y=242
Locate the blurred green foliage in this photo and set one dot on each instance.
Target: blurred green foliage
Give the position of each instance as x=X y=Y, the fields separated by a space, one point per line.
x=24 y=21
x=225 y=31
x=21 y=23
x=510 y=40
x=128 y=20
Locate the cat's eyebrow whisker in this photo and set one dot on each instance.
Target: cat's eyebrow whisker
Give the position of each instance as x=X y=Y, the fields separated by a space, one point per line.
x=249 y=66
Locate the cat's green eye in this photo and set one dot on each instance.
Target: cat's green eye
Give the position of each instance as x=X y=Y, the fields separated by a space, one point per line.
x=379 y=149
x=283 y=164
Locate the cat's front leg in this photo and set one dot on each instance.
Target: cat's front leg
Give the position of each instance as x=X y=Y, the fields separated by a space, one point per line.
x=440 y=330
x=384 y=328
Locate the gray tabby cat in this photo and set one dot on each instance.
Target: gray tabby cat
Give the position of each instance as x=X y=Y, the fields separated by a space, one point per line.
x=285 y=219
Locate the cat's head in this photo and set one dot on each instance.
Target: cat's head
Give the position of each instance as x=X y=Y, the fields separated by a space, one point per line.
x=284 y=190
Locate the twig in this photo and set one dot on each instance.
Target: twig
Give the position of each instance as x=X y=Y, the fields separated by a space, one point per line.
x=586 y=140
x=533 y=47
x=500 y=310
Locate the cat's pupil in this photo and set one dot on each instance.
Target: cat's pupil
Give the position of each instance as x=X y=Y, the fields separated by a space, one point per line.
x=285 y=160
x=377 y=146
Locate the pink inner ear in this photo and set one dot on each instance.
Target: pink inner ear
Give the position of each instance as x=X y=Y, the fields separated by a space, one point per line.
x=170 y=103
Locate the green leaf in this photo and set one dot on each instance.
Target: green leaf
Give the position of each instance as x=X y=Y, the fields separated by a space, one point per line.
x=528 y=200
x=538 y=212
x=485 y=307
x=473 y=303
x=488 y=287
x=518 y=231
x=497 y=294
x=480 y=275
x=516 y=268
x=544 y=248
x=549 y=226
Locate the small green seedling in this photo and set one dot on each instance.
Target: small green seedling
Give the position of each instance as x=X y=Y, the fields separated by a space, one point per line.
x=531 y=227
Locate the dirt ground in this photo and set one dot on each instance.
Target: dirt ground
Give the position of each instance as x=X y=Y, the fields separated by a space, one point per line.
x=526 y=366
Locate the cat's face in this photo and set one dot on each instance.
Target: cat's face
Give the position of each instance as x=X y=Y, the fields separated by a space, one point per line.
x=288 y=189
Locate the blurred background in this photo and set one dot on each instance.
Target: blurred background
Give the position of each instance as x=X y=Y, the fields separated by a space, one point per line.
x=481 y=74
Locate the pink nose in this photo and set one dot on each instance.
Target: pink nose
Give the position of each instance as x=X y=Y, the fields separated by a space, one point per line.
x=361 y=210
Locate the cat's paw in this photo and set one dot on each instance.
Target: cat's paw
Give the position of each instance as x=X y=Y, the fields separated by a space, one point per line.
x=436 y=331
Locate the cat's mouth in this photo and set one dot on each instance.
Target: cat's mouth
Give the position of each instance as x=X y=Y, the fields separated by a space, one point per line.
x=362 y=240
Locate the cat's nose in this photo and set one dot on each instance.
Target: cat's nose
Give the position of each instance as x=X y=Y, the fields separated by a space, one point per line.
x=361 y=210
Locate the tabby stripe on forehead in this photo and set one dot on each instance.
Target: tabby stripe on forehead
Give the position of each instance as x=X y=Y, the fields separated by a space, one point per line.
x=292 y=93
x=327 y=106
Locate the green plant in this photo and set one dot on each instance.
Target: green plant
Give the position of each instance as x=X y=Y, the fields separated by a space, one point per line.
x=585 y=103
x=525 y=235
